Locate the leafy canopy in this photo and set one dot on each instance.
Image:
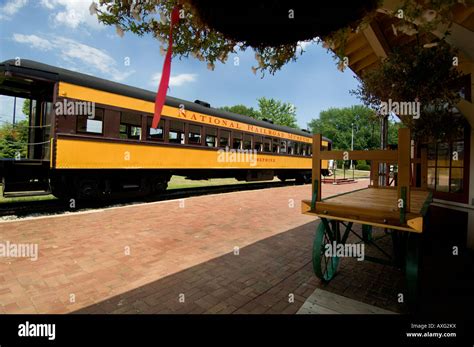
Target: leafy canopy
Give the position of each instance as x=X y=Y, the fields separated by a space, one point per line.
x=14 y=139
x=191 y=35
x=26 y=107
x=281 y=113
x=420 y=73
x=336 y=124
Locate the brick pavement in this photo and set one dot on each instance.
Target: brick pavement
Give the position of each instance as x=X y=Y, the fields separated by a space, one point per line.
x=148 y=258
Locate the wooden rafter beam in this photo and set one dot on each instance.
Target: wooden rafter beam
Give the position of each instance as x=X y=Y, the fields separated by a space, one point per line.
x=371 y=66
x=369 y=60
x=355 y=45
x=377 y=40
x=362 y=53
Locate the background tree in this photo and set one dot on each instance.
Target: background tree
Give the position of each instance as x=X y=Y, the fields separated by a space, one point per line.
x=26 y=107
x=281 y=113
x=336 y=124
x=14 y=139
x=243 y=110
x=414 y=74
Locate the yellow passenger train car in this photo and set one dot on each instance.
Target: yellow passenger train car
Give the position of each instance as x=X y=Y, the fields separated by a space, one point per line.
x=92 y=138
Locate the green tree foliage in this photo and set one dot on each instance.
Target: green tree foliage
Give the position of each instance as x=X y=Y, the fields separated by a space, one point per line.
x=281 y=113
x=336 y=124
x=191 y=34
x=243 y=110
x=362 y=165
x=14 y=139
x=424 y=74
x=26 y=107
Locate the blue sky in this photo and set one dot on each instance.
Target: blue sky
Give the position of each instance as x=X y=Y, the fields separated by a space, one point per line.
x=63 y=33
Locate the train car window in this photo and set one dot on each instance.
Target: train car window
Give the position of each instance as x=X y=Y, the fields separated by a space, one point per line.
x=156 y=134
x=176 y=132
x=297 y=148
x=275 y=146
x=267 y=144
x=291 y=147
x=211 y=137
x=247 y=141
x=194 y=134
x=302 y=150
x=258 y=143
x=91 y=125
x=237 y=141
x=309 y=149
x=282 y=146
x=130 y=126
x=224 y=140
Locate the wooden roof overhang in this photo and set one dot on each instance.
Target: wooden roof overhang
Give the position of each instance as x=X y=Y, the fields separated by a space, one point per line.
x=368 y=47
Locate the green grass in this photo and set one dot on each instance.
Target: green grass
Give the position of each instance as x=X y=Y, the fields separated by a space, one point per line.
x=357 y=174
x=4 y=200
x=178 y=182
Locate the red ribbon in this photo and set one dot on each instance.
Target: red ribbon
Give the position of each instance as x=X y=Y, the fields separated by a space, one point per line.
x=165 y=76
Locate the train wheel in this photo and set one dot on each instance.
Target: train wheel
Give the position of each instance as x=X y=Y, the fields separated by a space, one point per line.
x=159 y=185
x=300 y=179
x=61 y=188
x=325 y=267
x=88 y=188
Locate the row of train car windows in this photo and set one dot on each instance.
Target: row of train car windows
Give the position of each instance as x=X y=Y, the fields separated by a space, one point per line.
x=174 y=131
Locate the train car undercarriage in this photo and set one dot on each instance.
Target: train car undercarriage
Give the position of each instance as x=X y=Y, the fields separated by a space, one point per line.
x=30 y=178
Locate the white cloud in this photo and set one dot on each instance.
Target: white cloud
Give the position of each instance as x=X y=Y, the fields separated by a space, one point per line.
x=176 y=80
x=90 y=58
x=72 y=13
x=48 y=4
x=304 y=44
x=11 y=7
x=34 y=41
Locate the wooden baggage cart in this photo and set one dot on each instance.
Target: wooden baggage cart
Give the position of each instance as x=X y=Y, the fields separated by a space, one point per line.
x=400 y=210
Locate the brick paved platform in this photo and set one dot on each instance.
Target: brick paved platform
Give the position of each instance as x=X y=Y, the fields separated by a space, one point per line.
x=242 y=252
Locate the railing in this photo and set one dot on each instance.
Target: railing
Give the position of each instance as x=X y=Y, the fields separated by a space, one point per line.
x=401 y=156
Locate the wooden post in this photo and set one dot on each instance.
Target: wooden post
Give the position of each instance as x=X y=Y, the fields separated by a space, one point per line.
x=374 y=173
x=316 y=172
x=404 y=165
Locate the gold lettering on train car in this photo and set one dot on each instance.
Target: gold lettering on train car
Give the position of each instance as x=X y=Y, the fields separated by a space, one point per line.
x=107 y=98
